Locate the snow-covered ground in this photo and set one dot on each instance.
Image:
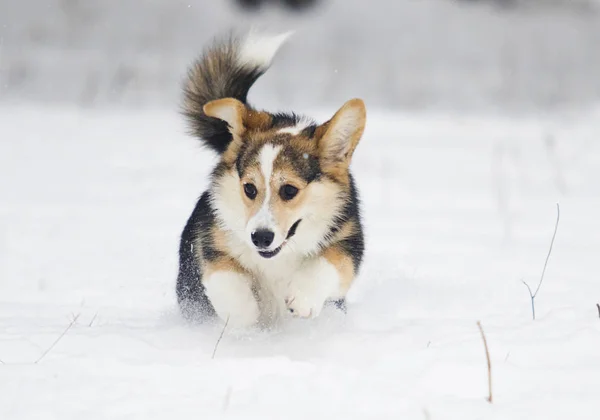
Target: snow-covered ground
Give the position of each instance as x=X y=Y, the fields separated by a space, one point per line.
x=458 y=209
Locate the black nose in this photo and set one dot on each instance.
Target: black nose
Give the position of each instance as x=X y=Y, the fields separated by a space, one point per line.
x=262 y=238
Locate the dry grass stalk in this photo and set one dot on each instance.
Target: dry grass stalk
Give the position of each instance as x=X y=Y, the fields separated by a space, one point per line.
x=220 y=337
x=489 y=363
x=58 y=339
x=93 y=319
x=531 y=294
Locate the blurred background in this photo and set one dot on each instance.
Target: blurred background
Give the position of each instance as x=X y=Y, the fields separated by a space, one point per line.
x=477 y=55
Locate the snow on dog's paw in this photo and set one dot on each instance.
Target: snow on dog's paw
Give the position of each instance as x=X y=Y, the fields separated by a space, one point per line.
x=302 y=307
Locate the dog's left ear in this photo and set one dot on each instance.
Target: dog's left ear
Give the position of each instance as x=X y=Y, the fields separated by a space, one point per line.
x=231 y=111
x=342 y=134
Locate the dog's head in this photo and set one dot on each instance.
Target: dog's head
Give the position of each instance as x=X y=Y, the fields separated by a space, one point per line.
x=283 y=182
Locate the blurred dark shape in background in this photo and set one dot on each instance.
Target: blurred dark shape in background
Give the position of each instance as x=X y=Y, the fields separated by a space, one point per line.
x=294 y=5
x=524 y=4
x=536 y=55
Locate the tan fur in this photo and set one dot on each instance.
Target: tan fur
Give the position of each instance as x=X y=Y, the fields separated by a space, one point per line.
x=242 y=121
x=346 y=231
x=333 y=142
x=229 y=110
x=257 y=120
x=219 y=238
x=232 y=151
x=285 y=212
x=222 y=264
x=232 y=112
x=349 y=120
x=283 y=173
x=336 y=153
x=253 y=175
x=239 y=117
x=343 y=264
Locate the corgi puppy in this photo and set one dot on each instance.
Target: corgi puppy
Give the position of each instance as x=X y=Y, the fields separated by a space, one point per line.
x=278 y=232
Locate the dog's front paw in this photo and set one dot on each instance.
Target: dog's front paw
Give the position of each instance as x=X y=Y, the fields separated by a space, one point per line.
x=310 y=287
x=303 y=307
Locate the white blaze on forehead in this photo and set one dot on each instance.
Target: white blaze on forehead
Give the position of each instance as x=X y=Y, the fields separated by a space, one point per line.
x=264 y=217
x=266 y=159
x=295 y=129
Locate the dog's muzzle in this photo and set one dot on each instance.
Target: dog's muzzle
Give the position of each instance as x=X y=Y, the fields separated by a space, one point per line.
x=291 y=232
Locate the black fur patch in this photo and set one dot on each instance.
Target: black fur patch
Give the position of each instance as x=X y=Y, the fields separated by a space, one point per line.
x=354 y=245
x=309 y=131
x=204 y=225
x=219 y=170
x=247 y=155
x=306 y=166
x=281 y=120
x=192 y=299
x=292 y=230
x=339 y=304
x=216 y=74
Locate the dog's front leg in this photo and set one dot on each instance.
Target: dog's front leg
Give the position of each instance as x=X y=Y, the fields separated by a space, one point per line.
x=229 y=290
x=325 y=277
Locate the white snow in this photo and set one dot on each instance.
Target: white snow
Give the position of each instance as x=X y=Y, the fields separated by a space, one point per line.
x=458 y=209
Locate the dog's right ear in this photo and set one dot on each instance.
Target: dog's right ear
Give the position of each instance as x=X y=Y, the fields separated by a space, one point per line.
x=340 y=135
x=230 y=110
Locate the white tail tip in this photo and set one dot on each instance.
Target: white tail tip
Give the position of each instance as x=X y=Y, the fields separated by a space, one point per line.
x=258 y=50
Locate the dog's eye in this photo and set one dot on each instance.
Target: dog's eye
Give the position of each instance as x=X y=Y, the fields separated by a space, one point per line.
x=287 y=192
x=250 y=191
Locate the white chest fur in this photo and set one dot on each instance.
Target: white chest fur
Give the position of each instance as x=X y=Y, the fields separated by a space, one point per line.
x=271 y=275
x=286 y=284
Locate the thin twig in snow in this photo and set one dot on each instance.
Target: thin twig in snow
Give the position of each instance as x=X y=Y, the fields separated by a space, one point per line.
x=57 y=340
x=93 y=319
x=489 y=363
x=220 y=337
x=533 y=295
x=598 y=306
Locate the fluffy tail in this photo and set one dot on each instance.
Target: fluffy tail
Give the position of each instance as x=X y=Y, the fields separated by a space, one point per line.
x=227 y=69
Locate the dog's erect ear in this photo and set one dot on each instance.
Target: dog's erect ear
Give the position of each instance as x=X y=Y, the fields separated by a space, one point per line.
x=231 y=111
x=342 y=134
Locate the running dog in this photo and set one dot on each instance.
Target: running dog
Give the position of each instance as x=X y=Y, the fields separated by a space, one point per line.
x=278 y=230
